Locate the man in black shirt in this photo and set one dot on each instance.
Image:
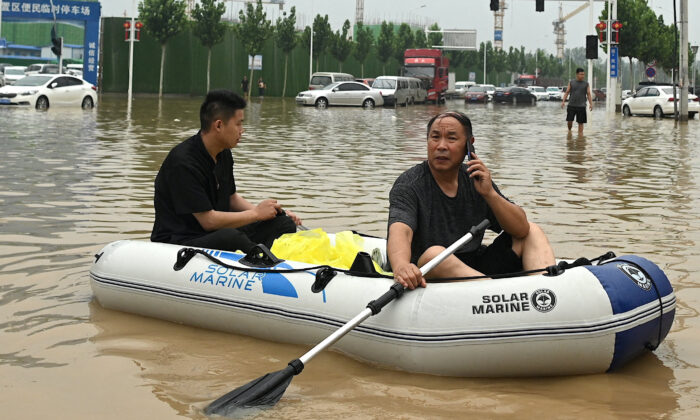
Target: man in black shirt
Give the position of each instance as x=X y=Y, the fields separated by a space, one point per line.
x=196 y=200
x=436 y=202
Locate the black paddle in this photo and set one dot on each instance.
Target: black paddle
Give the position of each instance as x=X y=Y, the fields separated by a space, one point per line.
x=266 y=390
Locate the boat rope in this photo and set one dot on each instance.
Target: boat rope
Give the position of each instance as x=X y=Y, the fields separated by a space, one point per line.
x=184 y=255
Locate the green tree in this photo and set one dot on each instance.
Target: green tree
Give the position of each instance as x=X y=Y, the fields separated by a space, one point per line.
x=162 y=19
x=434 y=38
x=385 y=44
x=340 y=45
x=286 y=39
x=404 y=40
x=253 y=30
x=208 y=26
x=322 y=36
x=420 y=40
x=363 y=43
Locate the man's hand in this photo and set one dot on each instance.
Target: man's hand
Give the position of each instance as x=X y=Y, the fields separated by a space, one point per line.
x=267 y=209
x=294 y=217
x=409 y=276
x=562 y=104
x=481 y=176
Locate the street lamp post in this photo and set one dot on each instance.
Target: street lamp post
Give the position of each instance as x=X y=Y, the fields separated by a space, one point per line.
x=695 y=59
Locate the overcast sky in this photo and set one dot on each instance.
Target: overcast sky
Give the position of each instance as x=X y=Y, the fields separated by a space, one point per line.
x=521 y=26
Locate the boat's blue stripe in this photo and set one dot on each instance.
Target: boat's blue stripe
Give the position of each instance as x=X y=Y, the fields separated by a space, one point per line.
x=315 y=318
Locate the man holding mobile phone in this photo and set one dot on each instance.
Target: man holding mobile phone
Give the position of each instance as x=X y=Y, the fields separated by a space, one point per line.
x=437 y=201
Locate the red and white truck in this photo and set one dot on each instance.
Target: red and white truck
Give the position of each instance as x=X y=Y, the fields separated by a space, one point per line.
x=431 y=67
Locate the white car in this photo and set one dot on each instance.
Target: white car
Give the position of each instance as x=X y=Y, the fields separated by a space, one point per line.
x=490 y=90
x=555 y=93
x=461 y=88
x=539 y=92
x=657 y=101
x=44 y=90
x=343 y=94
x=13 y=73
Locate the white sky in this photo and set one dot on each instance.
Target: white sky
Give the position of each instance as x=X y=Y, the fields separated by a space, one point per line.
x=521 y=26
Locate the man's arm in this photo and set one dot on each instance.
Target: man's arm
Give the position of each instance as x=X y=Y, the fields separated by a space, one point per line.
x=243 y=213
x=510 y=216
x=399 y=253
x=590 y=97
x=566 y=94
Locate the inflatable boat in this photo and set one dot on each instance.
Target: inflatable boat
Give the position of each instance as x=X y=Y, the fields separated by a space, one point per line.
x=569 y=320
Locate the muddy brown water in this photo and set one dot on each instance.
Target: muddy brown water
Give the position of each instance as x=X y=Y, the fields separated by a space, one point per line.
x=73 y=181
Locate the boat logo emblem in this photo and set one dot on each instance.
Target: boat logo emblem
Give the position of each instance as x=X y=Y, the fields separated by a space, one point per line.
x=637 y=275
x=544 y=300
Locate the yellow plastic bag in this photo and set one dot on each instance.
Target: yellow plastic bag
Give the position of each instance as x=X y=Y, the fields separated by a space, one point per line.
x=314 y=247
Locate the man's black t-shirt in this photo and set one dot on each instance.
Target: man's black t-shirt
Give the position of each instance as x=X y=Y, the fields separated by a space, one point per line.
x=436 y=219
x=190 y=182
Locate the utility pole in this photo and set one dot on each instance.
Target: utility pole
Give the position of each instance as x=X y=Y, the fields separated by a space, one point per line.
x=683 y=73
x=591 y=31
x=132 y=28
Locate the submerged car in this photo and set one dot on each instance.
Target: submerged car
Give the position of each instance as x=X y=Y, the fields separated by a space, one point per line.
x=657 y=101
x=342 y=94
x=515 y=95
x=476 y=94
x=555 y=93
x=41 y=91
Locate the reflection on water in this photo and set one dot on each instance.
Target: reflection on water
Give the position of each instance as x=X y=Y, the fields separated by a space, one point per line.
x=72 y=181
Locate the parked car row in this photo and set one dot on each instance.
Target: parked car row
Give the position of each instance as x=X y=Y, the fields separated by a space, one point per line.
x=344 y=90
x=658 y=101
x=10 y=73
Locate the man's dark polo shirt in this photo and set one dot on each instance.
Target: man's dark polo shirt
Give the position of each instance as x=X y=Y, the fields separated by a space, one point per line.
x=190 y=182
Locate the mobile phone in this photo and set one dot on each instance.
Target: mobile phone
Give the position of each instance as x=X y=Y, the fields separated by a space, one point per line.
x=468 y=156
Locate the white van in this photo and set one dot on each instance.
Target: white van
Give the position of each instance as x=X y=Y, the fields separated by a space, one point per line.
x=395 y=90
x=321 y=79
x=419 y=94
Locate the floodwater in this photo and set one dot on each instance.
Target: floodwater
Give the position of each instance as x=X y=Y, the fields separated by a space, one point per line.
x=72 y=181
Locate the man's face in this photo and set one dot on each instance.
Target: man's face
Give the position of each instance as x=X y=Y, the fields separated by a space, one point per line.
x=580 y=75
x=447 y=144
x=232 y=130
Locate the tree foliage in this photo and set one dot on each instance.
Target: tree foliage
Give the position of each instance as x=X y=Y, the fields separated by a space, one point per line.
x=362 y=45
x=253 y=30
x=162 y=19
x=385 y=43
x=340 y=45
x=404 y=40
x=434 y=38
x=207 y=22
x=420 y=40
x=286 y=38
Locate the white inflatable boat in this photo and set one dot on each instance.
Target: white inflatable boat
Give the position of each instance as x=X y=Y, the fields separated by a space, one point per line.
x=586 y=319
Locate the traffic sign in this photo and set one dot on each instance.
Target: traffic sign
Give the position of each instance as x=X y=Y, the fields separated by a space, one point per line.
x=651 y=72
x=614 y=61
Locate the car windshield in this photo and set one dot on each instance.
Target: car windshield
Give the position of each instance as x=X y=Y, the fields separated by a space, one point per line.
x=384 y=84
x=14 y=72
x=321 y=80
x=552 y=89
x=33 y=81
x=538 y=89
x=476 y=89
x=420 y=71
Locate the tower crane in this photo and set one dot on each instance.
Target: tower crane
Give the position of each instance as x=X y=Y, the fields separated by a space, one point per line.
x=559 y=30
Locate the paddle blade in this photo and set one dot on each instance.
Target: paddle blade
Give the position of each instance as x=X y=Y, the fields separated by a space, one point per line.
x=264 y=391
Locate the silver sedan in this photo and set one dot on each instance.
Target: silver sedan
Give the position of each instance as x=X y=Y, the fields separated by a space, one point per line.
x=343 y=94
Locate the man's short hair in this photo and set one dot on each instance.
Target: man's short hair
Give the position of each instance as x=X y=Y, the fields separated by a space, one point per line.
x=459 y=116
x=219 y=105
x=579 y=70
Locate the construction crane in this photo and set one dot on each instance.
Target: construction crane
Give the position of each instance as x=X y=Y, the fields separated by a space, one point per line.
x=559 y=30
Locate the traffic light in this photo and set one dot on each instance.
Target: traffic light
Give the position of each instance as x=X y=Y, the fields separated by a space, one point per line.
x=56 y=41
x=591 y=47
x=494 y=5
x=539 y=5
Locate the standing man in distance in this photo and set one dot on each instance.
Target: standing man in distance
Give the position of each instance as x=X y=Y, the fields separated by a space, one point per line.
x=437 y=201
x=196 y=200
x=579 y=90
x=244 y=86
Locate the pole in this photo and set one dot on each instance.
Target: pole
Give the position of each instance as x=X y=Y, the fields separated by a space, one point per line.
x=695 y=60
x=60 y=58
x=536 y=54
x=591 y=25
x=683 y=73
x=311 y=53
x=614 y=85
x=608 y=93
x=131 y=56
x=484 y=63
